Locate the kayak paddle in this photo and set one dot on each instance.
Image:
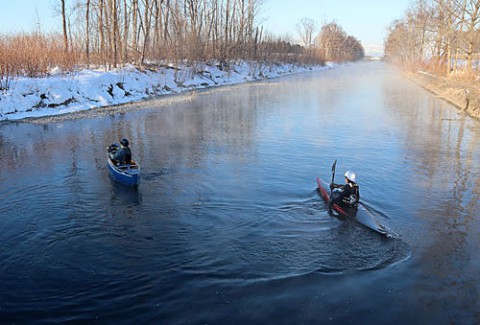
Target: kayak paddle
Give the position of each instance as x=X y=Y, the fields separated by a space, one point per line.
x=333 y=174
x=333 y=179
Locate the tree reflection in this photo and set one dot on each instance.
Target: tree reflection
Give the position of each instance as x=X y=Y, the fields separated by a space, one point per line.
x=441 y=151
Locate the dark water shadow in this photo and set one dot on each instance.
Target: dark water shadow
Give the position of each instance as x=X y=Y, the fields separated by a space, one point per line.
x=123 y=195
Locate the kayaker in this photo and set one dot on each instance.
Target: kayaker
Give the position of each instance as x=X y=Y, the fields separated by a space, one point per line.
x=123 y=155
x=348 y=194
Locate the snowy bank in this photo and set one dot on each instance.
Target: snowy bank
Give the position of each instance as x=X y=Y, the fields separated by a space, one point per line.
x=76 y=91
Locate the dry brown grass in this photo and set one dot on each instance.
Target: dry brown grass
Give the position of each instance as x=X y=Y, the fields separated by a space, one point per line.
x=463 y=93
x=32 y=55
x=36 y=54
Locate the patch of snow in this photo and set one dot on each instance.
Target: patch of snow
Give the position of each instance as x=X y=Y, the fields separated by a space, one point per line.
x=66 y=93
x=56 y=70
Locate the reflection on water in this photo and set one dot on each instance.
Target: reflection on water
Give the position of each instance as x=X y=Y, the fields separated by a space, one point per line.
x=442 y=150
x=227 y=225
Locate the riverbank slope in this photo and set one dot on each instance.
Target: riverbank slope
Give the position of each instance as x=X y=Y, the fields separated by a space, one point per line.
x=62 y=93
x=464 y=95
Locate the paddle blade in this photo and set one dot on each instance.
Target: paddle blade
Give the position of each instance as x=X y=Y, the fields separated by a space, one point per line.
x=333 y=177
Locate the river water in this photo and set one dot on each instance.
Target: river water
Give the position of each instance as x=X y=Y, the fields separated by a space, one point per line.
x=227 y=226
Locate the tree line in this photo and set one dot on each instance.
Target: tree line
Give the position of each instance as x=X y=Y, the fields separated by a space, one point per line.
x=119 y=31
x=112 y=33
x=331 y=43
x=441 y=35
x=334 y=44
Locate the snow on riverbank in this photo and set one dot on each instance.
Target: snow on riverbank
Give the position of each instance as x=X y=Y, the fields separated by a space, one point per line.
x=66 y=93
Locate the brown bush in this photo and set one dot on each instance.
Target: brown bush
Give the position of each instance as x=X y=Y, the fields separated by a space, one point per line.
x=32 y=55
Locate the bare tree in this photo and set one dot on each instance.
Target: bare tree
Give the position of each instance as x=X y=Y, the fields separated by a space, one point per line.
x=64 y=26
x=306 y=28
x=472 y=11
x=135 y=26
x=114 y=32
x=101 y=29
x=446 y=30
x=335 y=45
x=87 y=32
x=125 y=31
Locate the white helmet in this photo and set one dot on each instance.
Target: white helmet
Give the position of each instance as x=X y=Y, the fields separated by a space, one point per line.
x=350 y=176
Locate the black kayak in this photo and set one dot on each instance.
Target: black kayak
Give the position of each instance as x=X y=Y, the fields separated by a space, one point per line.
x=359 y=214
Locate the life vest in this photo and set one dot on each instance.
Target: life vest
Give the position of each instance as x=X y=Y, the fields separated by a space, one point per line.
x=354 y=197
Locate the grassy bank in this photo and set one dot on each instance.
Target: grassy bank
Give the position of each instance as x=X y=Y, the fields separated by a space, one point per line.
x=464 y=95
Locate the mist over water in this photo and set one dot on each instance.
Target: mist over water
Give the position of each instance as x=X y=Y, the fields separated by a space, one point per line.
x=227 y=225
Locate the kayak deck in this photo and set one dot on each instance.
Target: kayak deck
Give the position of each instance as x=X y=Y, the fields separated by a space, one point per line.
x=359 y=214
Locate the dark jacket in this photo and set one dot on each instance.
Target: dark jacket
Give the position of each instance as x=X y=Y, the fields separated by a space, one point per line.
x=123 y=156
x=346 y=195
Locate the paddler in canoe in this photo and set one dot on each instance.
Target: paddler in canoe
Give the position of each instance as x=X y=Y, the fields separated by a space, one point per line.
x=345 y=195
x=122 y=155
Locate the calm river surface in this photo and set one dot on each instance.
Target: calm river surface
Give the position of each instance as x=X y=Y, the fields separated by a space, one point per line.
x=227 y=226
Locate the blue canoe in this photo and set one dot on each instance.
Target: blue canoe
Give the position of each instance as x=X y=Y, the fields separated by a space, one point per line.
x=359 y=214
x=128 y=174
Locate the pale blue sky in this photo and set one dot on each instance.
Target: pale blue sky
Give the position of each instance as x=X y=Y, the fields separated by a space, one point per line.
x=366 y=20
